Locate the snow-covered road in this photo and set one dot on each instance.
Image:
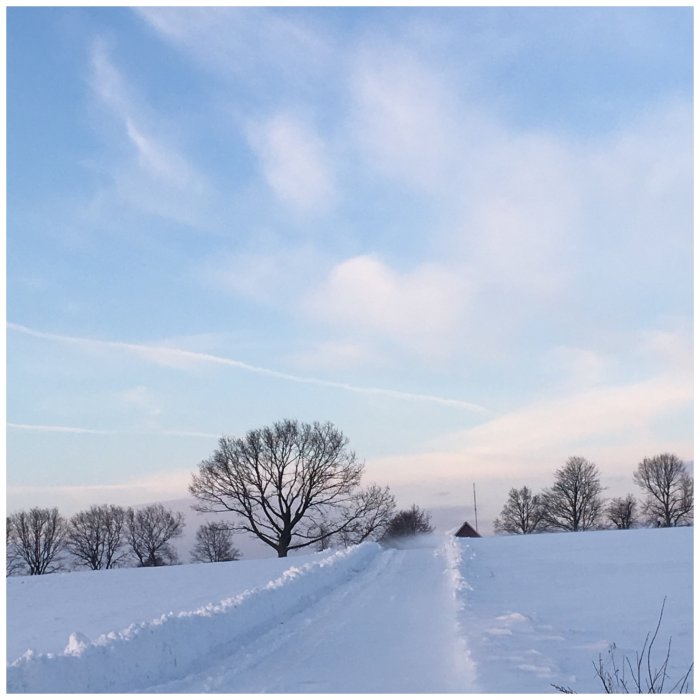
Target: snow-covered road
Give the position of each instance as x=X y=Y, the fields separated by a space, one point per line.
x=391 y=627
x=499 y=614
x=366 y=619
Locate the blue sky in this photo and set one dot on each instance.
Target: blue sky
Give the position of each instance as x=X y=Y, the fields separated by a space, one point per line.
x=462 y=235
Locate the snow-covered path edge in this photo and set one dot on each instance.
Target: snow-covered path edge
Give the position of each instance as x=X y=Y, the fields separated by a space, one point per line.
x=172 y=646
x=454 y=554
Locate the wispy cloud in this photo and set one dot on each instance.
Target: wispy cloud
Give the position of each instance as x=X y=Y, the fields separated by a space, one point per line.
x=183 y=358
x=158 y=178
x=403 y=119
x=245 y=42
x=295 y=163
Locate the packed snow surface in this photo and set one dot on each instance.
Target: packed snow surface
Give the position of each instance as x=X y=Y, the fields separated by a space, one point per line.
x=497 y=614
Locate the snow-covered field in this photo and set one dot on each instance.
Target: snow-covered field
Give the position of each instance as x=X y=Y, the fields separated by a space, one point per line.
x=498 y=614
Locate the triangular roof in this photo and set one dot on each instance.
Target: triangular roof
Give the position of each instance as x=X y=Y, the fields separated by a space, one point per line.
x=467 y=531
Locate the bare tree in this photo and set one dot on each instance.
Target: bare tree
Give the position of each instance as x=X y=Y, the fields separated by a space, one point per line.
x=326 y=540
x=284 y=481
x=522 y=513
x=96 y=537
x=214 y=543
x=149 y=531
x=412 y=521
x=622 y=512
x=668 y=488
x=574 y=501
x=39 y=536
x=374 y=508
x=13 y=562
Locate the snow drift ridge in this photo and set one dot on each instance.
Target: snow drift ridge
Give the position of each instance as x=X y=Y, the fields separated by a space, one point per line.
x=170 y=647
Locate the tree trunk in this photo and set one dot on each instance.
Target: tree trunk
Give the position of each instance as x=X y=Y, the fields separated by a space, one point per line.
x=285 y=539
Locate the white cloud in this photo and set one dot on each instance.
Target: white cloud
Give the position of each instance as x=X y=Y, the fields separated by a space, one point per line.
x=520 y=213
x=536 y=216
x=157 y=178
x=295 y=163
x=421 y=309
x=625 y=412
x=403 y=119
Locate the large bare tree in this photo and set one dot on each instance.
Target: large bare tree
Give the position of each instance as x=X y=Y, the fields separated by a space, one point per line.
x=214 y=543
x=39 y=538
x=522 y=513
x=668 y=488
x=292 y=484
x=96 y=537
x=149 y=531
x=574 y=502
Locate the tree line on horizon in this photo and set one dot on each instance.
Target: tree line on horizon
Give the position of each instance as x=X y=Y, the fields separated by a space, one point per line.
x=292 y=485
x=295 y=485
x=41 y=541
x=574 y=502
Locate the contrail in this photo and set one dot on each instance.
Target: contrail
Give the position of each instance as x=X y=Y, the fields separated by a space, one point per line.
x=97 y=431
x=167 y=355
x=59 y=429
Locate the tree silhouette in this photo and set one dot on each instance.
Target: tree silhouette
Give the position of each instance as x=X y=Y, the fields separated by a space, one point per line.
x=96 y=537
x=668 y=488
x=214 y=543
x=149 y=531
x=574 y=502
x=412 y=521
x=39 y=537
x=292 y=484
x=522 y=513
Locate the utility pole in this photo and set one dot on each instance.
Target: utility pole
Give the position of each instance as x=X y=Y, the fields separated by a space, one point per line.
x=476 y=519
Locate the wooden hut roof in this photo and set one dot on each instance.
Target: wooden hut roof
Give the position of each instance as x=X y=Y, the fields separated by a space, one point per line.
x=467 y=531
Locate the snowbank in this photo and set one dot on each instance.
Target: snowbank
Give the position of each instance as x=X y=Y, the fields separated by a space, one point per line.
x=42 y=611
x=174 y=645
